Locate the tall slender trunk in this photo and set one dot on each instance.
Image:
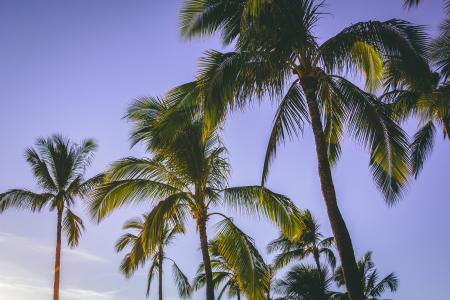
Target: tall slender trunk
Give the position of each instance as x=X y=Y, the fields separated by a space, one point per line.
x=238 y=296
x=447 y=128
x=340 y=231
x=316 y=256
x=201 y=223
x=57 y=256
x=160 y=273
x=317 y=260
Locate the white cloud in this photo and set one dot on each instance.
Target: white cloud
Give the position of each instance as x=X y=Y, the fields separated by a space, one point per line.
x=23 y=289
x=31 y=244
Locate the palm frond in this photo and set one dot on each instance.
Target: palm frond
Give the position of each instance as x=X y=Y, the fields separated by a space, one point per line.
x=261 y=201
x=24 y=199
x=389 y=282
x=288 y=122
x=182 y=282
x=204 y=17
x=114 y=194
x=241 y=255
x=421 y=146
x=370 y=122
x=73 y=227
x=151 y=273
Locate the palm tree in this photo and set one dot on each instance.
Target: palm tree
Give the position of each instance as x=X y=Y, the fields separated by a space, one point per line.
x=138 y=255
x=276 y=47
x=186 y=177
x=310 y=242
x=238 y=268
x=58 y=166
x=304 y=282
x=373 y=287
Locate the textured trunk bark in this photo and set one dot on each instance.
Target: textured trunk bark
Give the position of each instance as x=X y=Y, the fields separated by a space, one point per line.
x=160 y=278
x=201 y=222
x=57 y=256
x=340 y=231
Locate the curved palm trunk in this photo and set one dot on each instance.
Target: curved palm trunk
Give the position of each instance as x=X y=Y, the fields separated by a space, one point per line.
x=160 y=269
x=201 y=223
x=57 y=256
x=340 y=231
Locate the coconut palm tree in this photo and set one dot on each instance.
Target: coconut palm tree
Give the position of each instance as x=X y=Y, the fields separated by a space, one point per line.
x=310 y=242
x=277 y=50
x=58 y=166
x=238 y=268
x=304 y=282
x=373 y=287
x=138 y=255
x=186 y=177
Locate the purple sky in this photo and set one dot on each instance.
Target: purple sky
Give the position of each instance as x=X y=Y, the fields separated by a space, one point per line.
x=72 y=67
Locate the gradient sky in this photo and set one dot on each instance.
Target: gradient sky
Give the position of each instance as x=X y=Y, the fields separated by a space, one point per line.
x=72 y=67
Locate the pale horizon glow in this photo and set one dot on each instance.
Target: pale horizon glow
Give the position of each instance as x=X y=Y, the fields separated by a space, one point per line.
x=72 y=67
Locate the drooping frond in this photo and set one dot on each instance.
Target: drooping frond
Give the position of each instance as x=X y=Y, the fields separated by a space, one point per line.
x=204 y=17
x=240 y=253
x=411 y=3
x=261 y=201
x=364 y=45
x=170 y=211
x=288 y=122
x=24 y=199
x=151 y=273
x=230 y=80
x=369 y=122
x=389 y=282
x=143 y=168
x=181 y=282
x=41 y=170
x=73 y=227
x=114 y=194
x=440 y=48
x=421 y=146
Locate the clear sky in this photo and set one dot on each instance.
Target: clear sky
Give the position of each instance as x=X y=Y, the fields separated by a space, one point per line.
x=72 y=67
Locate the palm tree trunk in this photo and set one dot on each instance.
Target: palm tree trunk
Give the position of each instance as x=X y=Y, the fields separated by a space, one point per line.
x=340 y=231
x=57 y=256
x=317 y=261
x=160 y=277
x=201 y=222
x=447 y=128
x=238 y=296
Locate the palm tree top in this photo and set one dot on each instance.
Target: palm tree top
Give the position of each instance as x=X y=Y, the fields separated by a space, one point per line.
x=59 y=167
x=373 y=286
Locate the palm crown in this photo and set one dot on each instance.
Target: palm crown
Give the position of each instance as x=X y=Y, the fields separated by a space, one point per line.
x=373 y=287
x=138 y=255
x=310 y=242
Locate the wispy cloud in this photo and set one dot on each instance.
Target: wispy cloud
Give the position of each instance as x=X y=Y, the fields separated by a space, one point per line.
x=23 y=288
x=31 y=244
